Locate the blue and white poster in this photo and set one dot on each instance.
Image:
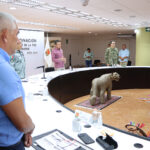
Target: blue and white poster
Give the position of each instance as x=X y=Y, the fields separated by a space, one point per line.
x=33 y=49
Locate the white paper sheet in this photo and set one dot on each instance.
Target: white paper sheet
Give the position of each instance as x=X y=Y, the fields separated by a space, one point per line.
x=56 y=141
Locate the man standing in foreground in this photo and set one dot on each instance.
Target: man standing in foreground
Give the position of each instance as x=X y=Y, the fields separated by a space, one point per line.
x=111 y=55
x=15 y=124
x=58 y=57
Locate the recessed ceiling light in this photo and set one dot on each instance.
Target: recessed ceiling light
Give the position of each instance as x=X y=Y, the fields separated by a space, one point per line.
x=132 y=16
x=118 y=10
x=12 y=8
x=89 y=32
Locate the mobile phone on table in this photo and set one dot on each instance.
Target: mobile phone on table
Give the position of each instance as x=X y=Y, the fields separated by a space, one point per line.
x=86 y=138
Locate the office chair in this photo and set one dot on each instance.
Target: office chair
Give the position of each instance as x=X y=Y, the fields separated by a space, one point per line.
x=129 y=63
x=97 y=62
x=49 y=69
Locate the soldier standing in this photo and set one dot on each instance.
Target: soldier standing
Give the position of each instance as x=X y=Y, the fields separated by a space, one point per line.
x=17 y=61
x=111 y=55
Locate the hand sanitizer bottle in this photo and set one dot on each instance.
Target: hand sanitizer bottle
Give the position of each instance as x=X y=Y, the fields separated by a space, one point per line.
x=76 y=126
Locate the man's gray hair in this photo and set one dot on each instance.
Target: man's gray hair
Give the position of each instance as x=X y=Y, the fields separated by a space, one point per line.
x=7 y=21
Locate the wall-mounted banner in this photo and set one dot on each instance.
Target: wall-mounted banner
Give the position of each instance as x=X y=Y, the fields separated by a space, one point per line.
x=33 y=49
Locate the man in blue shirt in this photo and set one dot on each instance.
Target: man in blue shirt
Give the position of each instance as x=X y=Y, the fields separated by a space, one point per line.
x=14 y=121
x=124 y=55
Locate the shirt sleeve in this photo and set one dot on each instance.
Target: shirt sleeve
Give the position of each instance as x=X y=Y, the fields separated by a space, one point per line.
x=106 y=55
x=18 y=63
x=54 y=59
x=10 y=86
x=128 y=53
x=91 y=54
x=84 y=56
x=119 y=53
x=12 y=60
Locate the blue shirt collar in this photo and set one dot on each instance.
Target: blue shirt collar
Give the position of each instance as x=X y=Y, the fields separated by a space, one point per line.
x=5 y=55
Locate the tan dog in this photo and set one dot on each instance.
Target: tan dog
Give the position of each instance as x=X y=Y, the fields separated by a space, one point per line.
x=102 y=84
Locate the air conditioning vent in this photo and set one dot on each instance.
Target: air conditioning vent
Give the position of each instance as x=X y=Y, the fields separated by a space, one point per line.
x=125 y=35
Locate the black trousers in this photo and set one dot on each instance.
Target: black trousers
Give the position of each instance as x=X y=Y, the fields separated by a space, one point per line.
x=17 y=146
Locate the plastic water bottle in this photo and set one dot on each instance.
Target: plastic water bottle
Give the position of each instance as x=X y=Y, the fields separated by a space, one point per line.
x=100 y=120
x=70 y=68
x=97 y=119
x=76 y=126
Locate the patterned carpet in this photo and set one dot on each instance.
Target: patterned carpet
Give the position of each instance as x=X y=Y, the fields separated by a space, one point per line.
x=86 y=103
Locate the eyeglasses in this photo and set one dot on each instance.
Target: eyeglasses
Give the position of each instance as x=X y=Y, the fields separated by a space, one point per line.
x=135 y=130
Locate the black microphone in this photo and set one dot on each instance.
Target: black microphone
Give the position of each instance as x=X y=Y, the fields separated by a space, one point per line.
x=70 y=62
x=40 y=67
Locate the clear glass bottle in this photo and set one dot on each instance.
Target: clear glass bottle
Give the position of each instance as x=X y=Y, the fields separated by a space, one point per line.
x=76 y=126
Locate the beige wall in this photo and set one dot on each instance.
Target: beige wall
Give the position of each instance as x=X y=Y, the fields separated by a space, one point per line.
x=142 y=47
x=78 y=44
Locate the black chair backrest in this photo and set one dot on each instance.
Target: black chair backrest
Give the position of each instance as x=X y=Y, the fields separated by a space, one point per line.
x=129 y=63
x=49 y=69
x=97 y=62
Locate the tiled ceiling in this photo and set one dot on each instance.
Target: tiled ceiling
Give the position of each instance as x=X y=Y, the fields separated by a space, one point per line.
x=106 y=16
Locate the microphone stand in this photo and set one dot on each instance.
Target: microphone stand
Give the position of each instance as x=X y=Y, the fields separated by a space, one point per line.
x=70 y=65
x=43 y=71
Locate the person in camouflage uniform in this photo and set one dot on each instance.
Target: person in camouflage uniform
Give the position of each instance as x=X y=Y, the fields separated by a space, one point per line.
x=111 y=55
x=17 y=61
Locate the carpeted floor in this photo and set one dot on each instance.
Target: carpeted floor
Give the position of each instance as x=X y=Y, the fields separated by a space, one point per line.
x=133 y=106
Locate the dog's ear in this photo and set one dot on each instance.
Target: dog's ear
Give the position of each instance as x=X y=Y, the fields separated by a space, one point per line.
x=113 y=74
x=116 y=75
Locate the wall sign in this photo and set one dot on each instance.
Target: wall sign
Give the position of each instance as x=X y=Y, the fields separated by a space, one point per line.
x=33 y=49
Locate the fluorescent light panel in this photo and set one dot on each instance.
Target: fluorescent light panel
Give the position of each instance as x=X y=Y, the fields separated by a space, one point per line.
x=39 y=29
x=46 y=25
